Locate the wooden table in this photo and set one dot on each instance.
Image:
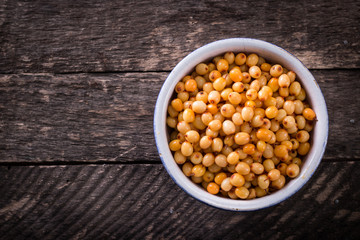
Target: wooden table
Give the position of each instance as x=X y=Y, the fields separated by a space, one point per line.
x=78 y=85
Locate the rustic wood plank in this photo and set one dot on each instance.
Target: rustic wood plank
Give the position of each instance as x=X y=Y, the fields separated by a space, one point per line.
x=142 y=202
x=88 y=36
x=108 y=117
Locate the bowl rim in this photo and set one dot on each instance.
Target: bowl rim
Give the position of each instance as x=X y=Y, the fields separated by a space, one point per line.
x=279 y=55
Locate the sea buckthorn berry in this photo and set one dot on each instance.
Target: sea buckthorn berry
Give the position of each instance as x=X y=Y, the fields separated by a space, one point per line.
x=247 y=113
x=237 y=180
x=226 y=184
x=227 y=110
x=268 y=165
x=172 y=112
x=238 y=87
x=208 y=176
x=236 y=75
x=196 y=158
x=265 y=67
x=251 y=94
x=252 y=60
x=214 y=97
x=292 y=75
x=273 y=84
x=222 y=65
x=225 y=93
x=208 y=159
x=177 y=104
x=198 y=170
x=303 y=148
x=215 y=125
x=217 y=145
x=289 y=122
x=257 y=168
x=198 y=106
x=242 y=138
x=237 y=119
x=197 y=179
x=180 y=87
x=233 y=158
x=261 y=146
x=228 y=127
x=274 y=174
x=219 y=84
x=275 y=125
x=242 y=168
x=215 y=74
x=295 y=88
x=269 y=151
x=246 y=77
x=220 y=177
x=255 y=71
x=202 y=68
x=234 y=98
x=281 y=151
x=190 y=85
x=230 y=57
x=205 y=142
x=293 y=170
x=213 y=188
x=212 y=108
x=206 y=118
x=208 y=87
x=186 y=149
x=284 y=81
x=302 y=95
x=242 y=192
x=171 y=122
x=263 y=181
x=202 y=96
x=302 y=136
x=309 y=114
x=179 y=158
x=284 y=92
x=271 y=112
x=219 y=116
x=186 y=168
x=198 y=124
x=211 y=133
x=281 y=115
x=282 y=168
x=279 y=183
x=175 y=145
x=264 y=134
x=240 y=59
x=257 y=121
x=183 y=96
x=255 y=85
x=188 y=115
x=192 y=136
x=249 y=148
x=276 y=70
x=289 y=107
x=200 y=81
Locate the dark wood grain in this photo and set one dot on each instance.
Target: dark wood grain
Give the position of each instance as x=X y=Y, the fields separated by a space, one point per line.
x=108 y=117
x=89 y=36
x=142 y=202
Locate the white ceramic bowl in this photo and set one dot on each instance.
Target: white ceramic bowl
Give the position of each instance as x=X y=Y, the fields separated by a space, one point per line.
x=273 y=54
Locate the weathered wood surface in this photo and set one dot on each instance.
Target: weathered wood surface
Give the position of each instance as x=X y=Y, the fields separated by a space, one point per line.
x=88 y=36
x=108 y=117
x=142 y=202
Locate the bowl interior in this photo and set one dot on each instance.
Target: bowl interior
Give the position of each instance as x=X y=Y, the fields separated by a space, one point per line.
x=272 y=54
